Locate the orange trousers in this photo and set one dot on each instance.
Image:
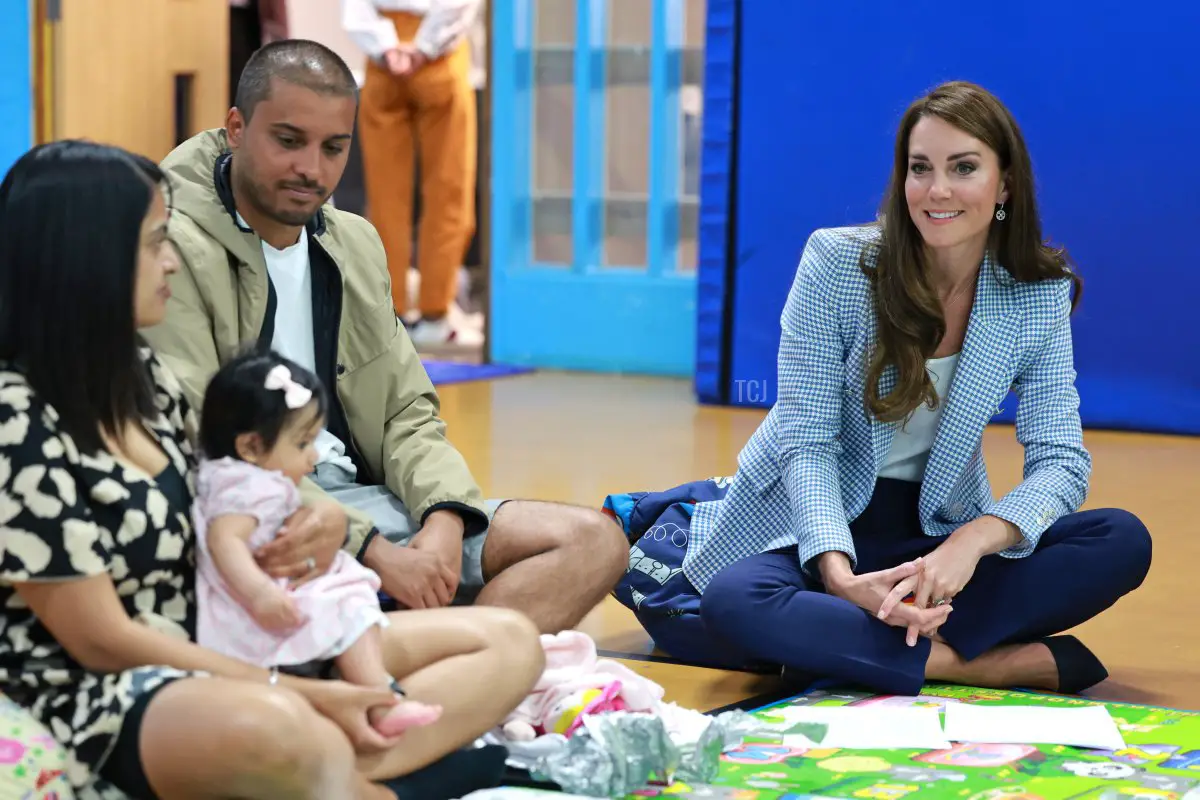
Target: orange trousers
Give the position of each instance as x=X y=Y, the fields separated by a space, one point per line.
x=428 y=115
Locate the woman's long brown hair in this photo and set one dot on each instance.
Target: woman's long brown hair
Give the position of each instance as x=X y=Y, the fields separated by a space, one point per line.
x=910 y=323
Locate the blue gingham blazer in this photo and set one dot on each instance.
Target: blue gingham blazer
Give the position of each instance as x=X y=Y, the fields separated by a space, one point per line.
x=810 y=468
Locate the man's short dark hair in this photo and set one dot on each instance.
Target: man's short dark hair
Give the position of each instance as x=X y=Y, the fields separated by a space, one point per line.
x=296 y=61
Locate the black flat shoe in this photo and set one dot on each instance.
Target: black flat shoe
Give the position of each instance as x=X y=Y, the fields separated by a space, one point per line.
x=1078 y=667
x=456 y=775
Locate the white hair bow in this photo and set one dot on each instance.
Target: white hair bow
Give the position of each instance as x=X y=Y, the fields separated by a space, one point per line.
x=294 y=395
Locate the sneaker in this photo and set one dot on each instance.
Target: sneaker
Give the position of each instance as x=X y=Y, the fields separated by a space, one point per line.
x=463 y=321
x=441 y=333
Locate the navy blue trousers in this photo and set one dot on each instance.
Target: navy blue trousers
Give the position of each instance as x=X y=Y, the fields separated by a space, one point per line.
x=769 y=610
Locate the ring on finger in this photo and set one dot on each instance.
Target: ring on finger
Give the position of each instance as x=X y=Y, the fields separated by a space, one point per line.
x=311 y=563
x=941 y=601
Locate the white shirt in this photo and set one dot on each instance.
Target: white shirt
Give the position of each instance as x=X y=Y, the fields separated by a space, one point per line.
x=291 y=275
x=910 y=449
x=478 y=39
x=445 y=24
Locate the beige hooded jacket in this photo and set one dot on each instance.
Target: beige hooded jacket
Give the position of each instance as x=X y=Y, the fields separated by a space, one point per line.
x=384 y=406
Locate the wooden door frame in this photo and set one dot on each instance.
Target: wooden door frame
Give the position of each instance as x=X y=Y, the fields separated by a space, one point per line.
x=483 y=225
x=42 y=40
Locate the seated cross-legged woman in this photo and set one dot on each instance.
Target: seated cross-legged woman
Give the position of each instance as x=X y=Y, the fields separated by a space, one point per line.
x=865 y=484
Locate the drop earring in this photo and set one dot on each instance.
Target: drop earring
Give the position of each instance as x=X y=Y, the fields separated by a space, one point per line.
x=1000 y=215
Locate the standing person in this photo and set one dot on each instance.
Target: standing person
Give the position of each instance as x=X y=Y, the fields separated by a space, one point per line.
x=267 y=260
x=418 y=105
x=866 y=483
x=97 y=569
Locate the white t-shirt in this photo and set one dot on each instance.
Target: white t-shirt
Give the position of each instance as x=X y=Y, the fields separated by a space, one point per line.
x=910 y=449
x=291 y=274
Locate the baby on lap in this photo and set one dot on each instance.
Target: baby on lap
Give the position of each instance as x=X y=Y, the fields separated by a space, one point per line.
x=262 y=414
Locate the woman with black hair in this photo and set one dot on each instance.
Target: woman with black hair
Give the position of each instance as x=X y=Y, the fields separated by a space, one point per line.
x=97 y=575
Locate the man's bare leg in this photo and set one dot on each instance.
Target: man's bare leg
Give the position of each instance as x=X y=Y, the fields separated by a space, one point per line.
x=552 y=562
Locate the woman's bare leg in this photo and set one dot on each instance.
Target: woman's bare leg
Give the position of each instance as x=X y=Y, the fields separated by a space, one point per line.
x=1030 y=665
x=210 y=738
x=477 y=663
x=362 y=664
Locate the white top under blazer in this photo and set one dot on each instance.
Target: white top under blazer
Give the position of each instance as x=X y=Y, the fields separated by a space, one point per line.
x=910 y=448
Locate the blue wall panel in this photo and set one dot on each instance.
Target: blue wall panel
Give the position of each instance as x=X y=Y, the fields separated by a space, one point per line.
x=16 y=83
x=716 y=199
x=1109 y=101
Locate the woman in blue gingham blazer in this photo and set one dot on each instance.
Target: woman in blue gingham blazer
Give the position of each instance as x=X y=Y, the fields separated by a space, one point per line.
x=866 y=482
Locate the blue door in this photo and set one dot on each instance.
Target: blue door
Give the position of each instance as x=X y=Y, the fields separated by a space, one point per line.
x=594 y=187
x=16 y=95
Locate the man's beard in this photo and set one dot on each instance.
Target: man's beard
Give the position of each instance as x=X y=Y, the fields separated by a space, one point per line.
x=289 y=217
x=257 y=196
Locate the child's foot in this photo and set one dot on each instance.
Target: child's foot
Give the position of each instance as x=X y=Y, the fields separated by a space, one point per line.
x=395 y=720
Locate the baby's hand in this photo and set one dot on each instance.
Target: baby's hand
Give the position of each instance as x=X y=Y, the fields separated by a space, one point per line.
x=275 y=610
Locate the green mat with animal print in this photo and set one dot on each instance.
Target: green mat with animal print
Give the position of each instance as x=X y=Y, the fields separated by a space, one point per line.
x=1161 y=761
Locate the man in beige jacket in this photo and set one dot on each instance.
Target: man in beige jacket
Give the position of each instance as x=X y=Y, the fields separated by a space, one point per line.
x=266 y=260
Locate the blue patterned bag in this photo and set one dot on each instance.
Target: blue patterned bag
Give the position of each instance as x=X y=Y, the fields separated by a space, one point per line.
x=654 y=587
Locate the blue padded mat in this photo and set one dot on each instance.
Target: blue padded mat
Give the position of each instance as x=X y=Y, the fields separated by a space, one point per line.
x=815 y=126
x=445 y=372
x=714 y=271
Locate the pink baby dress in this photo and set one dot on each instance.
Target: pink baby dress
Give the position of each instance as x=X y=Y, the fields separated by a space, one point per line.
x=339 y=605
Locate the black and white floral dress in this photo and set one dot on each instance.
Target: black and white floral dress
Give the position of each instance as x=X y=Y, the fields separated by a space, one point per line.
x=65 y=515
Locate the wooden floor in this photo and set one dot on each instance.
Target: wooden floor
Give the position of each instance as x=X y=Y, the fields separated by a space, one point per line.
x=576 y=438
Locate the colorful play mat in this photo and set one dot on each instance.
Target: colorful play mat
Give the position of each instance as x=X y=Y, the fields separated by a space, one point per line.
x=1161 y=760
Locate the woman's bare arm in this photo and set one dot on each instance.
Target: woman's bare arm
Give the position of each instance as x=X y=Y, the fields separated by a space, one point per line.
x=87 y=618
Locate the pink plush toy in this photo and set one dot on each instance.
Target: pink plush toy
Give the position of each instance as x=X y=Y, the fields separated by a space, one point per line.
x=576 y=684
x=567 y=715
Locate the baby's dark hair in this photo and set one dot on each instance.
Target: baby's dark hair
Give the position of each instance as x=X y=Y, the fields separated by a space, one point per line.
x=238 y=401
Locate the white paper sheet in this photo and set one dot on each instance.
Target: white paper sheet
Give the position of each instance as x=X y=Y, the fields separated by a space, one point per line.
x=868 y=727
x=1081 y=726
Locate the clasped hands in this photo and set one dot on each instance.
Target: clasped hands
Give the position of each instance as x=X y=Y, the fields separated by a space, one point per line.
x=404 y=60
x=426 y=572
x=933 y=581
